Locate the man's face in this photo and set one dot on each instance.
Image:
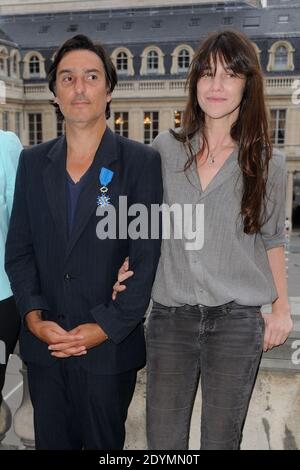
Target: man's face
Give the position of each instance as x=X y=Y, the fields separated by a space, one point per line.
x=81 y=89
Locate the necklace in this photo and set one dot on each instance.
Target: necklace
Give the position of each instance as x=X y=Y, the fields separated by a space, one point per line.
x=211 y=159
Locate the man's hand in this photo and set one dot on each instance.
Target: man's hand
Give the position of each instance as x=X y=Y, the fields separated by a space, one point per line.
x=91 y=335
x=278 y=326
x=48 y=331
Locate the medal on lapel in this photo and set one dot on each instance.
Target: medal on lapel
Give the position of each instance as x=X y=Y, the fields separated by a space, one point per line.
x=105 y=177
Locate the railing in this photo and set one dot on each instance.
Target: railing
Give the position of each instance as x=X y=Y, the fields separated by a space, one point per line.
x=279 y=82
x=166 y=87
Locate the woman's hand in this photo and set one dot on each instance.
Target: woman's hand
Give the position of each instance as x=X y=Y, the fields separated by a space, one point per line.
x=278 y=326
x=123 y=274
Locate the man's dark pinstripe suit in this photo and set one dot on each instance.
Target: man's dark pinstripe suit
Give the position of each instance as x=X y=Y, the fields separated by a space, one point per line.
x=71 y=279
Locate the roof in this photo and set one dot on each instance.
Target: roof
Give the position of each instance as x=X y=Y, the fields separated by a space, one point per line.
x=148 y=26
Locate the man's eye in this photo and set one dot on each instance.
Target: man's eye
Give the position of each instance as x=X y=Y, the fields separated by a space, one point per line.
x=67 y=79
x=92 y=76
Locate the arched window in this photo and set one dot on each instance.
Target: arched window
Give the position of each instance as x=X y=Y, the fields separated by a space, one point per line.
x=15 y=63
x=183 y=60
x=122 y=62
x=34 y=65
x=152 y=62
x=3 y=61
x=281 y=56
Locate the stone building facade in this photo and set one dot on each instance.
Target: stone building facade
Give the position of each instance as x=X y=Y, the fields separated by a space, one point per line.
x=152 y=46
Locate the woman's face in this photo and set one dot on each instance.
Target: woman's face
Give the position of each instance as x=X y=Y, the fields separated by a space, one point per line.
x=220 y=94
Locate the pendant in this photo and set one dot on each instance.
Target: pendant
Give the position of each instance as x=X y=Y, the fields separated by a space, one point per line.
x=211 y=159
x=103 y=200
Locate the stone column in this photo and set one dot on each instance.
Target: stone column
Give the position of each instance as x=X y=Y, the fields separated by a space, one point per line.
x=5 y=419
x=23 y=418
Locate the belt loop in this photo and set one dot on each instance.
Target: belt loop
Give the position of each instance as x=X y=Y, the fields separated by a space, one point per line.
x=173 y=309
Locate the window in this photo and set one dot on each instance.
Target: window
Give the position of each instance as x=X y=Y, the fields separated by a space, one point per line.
x=3 y=61
x=14 y=60
x=278 y=120
x=18 y=123
x=280 y=58
x=5 y=120
x=283 y=18
x=228 y=20
x=101 y=26
x=251 y=22
x=177 y=118
x=35 y=128
x=152 y=61
x=121 y=123
x=122 y=62
x=44 y=29
x=127 y=25
x=183 y=60
x=72 y=28
x=150 y=126
x=34 y=65
x=156 y=24
x=59 y=125
x=194 y=22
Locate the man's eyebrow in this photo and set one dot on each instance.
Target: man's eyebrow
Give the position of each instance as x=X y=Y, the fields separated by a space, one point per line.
x=72 y=70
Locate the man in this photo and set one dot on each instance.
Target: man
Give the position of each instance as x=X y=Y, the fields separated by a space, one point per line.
x=82 y=348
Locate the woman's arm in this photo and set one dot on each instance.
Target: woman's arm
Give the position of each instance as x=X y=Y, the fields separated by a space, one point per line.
x=279 y=323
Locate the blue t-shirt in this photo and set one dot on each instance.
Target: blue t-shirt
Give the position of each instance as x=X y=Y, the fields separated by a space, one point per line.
x=73 y=194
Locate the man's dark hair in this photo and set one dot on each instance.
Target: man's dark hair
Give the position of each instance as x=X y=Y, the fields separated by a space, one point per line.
x=81 y=42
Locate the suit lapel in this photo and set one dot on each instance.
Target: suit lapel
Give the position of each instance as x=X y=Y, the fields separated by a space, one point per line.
x=54 y=178
x=106 y=154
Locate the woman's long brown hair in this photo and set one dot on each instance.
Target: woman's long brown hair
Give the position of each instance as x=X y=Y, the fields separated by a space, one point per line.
x=250 y=131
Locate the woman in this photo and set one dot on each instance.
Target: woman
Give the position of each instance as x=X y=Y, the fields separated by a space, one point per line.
x=10 y=148
x=206 y=317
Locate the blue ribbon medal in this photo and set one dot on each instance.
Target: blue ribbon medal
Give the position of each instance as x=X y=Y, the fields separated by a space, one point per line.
x=105 y=177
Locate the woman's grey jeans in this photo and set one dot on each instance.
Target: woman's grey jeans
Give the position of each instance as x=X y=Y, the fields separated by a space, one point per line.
x=221 y=344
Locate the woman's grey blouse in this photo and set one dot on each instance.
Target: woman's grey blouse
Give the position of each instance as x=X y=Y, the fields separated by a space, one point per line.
x=221 y=264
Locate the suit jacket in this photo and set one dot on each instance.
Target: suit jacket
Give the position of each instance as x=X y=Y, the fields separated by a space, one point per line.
x=71 y=279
